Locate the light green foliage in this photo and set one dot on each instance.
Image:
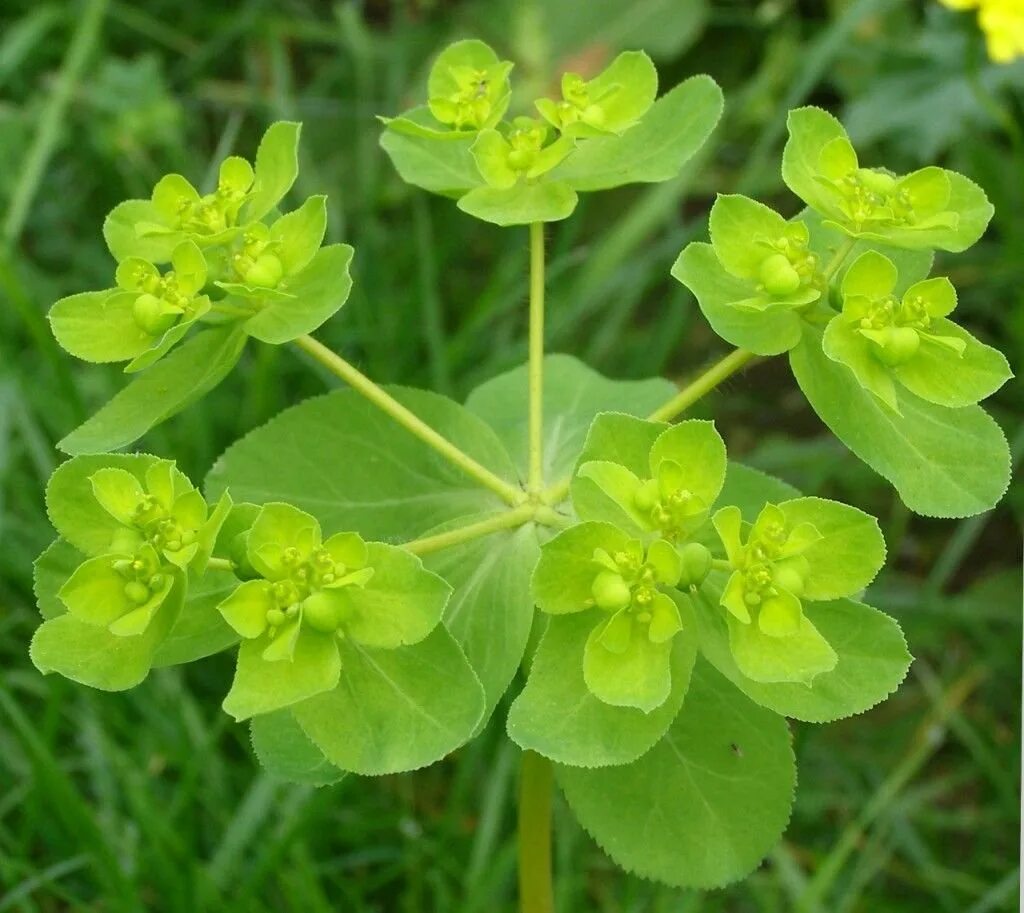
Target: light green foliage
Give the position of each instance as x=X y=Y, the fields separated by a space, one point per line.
x=930 y=208
x=672 y=494
x=884 y=339
x=799 y=550
x=313 y=594
x=468 y=86
x=943 y=462
x=872 y=659
x=395 y=710
x=170 y=386
x=388 y=560
x=603 y=132
x=764 y=332
x=490 y=612
x=611 y=102
x=627 y=656
x=140 y=319
x=287 y=752
x=267 y=279
x=558 y=716
x=703 y=806
x=665 y=139
x=134 y=526
x=393 y=488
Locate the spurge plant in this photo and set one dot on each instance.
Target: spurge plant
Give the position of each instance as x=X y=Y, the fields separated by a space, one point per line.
x=374 y=557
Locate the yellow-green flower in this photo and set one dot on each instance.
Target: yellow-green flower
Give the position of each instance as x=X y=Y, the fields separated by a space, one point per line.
x=1002 y=21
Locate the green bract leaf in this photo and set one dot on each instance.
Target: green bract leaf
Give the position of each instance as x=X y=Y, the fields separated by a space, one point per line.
x=277 y=165
x=284 y=750
x=263 y=685
x=92 y=655
x=394 y=488
x=123 y=239
x=490 y=612
x=395 y=710
x=799 y=656
x=564 y=579
x=171 y=385
x=885 y=340
x=611 y=102
x=943 y=462
x=666 y=137
x=547 y=201
x=399 y=605
x=627 y=654
x=706 y=803
x=768 y=332
x=930 y=208
x=317 y=291
x=756 y=244
x=72 y=506
x=573 y=395
x=445 y=167
x=850 y=552
x=99 y=326
x=872 y=661
x=49 y=572
x=297 y=235
x=199 y=630
x=558 y=716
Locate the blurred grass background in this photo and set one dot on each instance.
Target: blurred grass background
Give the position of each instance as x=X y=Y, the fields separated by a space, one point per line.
x=149 y=800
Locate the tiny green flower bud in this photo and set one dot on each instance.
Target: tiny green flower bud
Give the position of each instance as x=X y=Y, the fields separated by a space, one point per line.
x=153 y=314
x=320 y=613
x=696 y=561
x=778 y=275
x=137 y=592
x=275 y=617
x=610 y=591
x=266 y=272
x=646 y=495
x=898 y=346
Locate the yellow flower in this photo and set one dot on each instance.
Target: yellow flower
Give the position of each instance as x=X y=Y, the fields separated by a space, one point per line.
x=1002 y=22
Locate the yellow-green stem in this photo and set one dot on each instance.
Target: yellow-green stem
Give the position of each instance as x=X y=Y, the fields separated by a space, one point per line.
x=507 y=520
x=536 y=784
x=719 y=371
x=408 y=420
x=536 y=366
x=219 y=564
x=842 y=252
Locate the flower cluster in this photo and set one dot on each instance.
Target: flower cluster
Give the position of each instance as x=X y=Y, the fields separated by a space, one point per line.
x=230 y=260
x=137 y=530
x=513 y=178
x=646 y=546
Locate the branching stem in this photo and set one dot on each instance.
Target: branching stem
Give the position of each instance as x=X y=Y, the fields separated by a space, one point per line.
x=359 y=382
x=536 y=366
x=704 y=384
x=839 y=258
x=507 y=520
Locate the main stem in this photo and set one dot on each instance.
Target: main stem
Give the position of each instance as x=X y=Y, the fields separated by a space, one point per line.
x=536 y=784
x=536 y=367
x=408 y=420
